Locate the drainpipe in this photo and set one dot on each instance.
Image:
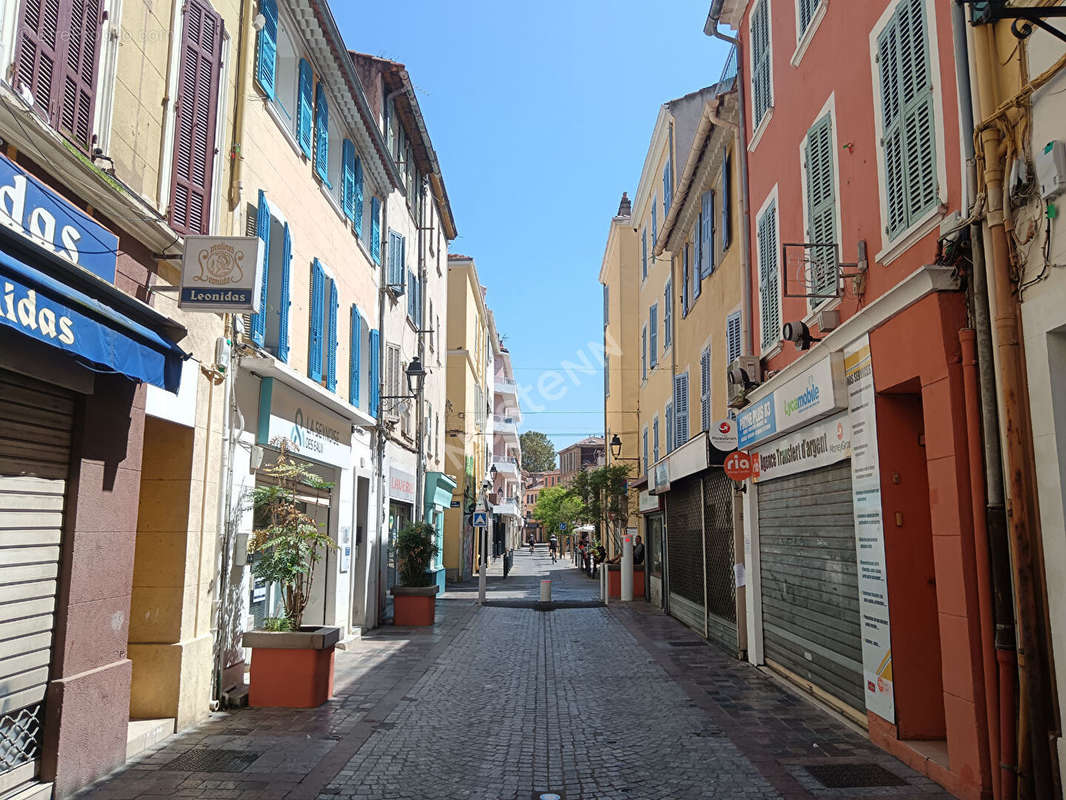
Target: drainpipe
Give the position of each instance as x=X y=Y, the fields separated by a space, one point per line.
x=747 y=345
x=420 y=432
x=380 y=563
x=1023 y=529
x=239 y=101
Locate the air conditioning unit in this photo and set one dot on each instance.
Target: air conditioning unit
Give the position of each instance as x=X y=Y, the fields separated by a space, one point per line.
x=743 y=374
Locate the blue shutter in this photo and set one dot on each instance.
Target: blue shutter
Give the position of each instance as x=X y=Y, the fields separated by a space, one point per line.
x=668 y=313
x=412 y=295
x=684 y=282
x=706 y=234
x=266 y=59
x=348 y=179
x=644 y=254
x=358 y=218
x=262 y=228
x=666 y=190
x=375 y=230
x=322 y=134
x=727 y=201
x=653 y=335
x=645 y=449
x=304 y=109
x=655 y=439
x=331 y=342
x=680 y=409
x=375 y=372
x=283 y=308
x=697 y=284
x=669 y=440
x=355 y=356
x=654 y=225
x=318 y=302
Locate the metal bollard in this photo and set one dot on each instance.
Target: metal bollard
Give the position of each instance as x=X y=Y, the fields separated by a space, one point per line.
x=545 y=591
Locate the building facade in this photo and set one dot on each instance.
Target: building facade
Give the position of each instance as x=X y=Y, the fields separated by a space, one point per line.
x=533 y=484
x=589 y=453
x=506 y=464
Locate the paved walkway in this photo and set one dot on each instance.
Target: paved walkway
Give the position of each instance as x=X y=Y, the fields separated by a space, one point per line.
x=619 y=702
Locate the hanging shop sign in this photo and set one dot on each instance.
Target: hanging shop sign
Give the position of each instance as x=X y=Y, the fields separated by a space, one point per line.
x=738 y=465
x=401 y=485
x=312 y=430
x=869 y=531
x=724 y=435
x=819 y=445
x=46 y=220
x=660 y=477
x=648 y=502
x=812 y=394
x=222 y=273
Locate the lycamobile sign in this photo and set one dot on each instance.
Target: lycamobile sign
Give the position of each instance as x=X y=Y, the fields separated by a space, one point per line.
x=813 y=393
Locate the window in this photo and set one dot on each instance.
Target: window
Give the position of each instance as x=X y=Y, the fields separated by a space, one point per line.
x=270 y=327
x=655 y=439
x=644 y=254
x=606 y=305
x=196 y=119
x=653 y=335
x=694 y=270
x=732 y=337
x=322 y=339
x=322 y=134
x=705 y=235
x=646 y=464
x=705 y=389
x=727 y=200
x=769 y=293
x=355 y=351
x=669 y=443
x=374 y=342
x=375 y=231
x=821 y=208
x=761 y=89
x=806 y=14
x=680 y=409
x=908 y=127
x=668 y=313
x=644 y=353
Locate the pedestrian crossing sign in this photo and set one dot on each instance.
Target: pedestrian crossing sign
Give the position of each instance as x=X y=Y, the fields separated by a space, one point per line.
x=481 y=519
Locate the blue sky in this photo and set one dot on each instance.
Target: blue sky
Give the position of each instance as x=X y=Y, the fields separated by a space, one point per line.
x=541 y=115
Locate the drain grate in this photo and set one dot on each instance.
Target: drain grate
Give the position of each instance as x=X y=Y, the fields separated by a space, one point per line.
x=852 y=776
x=686 y=643
x=203 y=759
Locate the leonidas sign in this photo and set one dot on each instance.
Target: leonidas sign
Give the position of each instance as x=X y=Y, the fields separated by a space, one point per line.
x=221 y=273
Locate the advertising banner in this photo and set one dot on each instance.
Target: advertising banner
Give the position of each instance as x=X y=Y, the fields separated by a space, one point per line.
x=312 y=430
x=818 y=445
x=869 y=531
x=222 y=273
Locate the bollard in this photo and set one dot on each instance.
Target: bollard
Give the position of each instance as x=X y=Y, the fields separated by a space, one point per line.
x=546 y=591
x=627 y=569
x=605 y=584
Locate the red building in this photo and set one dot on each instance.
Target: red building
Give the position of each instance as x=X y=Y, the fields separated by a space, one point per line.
x=860 y=555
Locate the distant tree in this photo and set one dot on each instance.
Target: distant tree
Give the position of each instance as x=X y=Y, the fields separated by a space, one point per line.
x=538 y=452
x=557 y=509
x=605 y=502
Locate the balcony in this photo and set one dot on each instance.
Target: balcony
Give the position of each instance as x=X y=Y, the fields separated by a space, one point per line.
x=507 y=427
x=506 y=466
x=506 y=387
x=509 y=507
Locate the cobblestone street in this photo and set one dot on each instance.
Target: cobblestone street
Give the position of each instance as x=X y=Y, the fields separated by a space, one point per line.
x=510 y=702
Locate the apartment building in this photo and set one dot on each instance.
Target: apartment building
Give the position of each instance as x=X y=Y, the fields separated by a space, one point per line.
x=506 y=469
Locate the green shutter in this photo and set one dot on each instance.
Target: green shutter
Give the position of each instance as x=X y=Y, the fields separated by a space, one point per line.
x=806 y=14
x=821 y=278
x=760 y=62
x=769 y=297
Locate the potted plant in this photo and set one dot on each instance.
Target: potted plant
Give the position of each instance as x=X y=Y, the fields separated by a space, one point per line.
x=292 y=664
x=414 y=600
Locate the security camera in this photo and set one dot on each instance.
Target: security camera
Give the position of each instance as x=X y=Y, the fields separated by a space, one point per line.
x=738 y=376
x=799 y=334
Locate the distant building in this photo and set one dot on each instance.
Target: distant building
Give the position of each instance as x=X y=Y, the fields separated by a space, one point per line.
x=587 y=454
x=536 y=482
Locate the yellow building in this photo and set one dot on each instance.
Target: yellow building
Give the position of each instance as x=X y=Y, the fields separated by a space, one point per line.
x=469 y=406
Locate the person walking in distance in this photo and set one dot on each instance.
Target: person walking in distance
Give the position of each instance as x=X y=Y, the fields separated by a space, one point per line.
x=553 y=547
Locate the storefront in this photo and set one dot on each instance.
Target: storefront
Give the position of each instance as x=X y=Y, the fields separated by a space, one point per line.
x=401 y=514
x=650 y=507
x=439 y=491
x=76 y=352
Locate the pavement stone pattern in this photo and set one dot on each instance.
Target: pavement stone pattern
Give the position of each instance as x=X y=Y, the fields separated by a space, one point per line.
x=493 y=703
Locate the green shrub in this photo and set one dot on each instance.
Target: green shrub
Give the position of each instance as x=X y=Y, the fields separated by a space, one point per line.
x=416 y=547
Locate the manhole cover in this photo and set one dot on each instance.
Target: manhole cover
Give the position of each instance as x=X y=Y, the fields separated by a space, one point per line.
x=547 y=796
x=213 y=760
x=685 y=643
x=850 y=776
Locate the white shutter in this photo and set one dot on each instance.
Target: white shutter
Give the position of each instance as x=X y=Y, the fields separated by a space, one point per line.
x=680 y=409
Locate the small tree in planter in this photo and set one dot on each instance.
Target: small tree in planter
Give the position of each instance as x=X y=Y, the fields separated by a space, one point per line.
x=292 y=666
x=414 y=601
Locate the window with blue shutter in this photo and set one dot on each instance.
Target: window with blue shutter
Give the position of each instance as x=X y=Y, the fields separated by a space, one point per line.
x=262 y=223
x=348 y=179
x=644 y=353
x=668 y=442
x=653 y=335
x=266 y=57
x=304 y=108
x=375 y=230
x=397 y=266
x=655 y=440
x=908 y=144
x=286 y=301
x=412 y=295
x=680 y=409
x=761 y=92
x=355 y=353
x=358 y=218
x=322 y=134
x=684 y=283
x=646 y=465
x=317 y=320
x=667 y=193
x=375 y=373
x=654 y=226
x=644 y=254
x=732 y=337
x=727 y=200
x=821 y=209
x=769 y=294
x=705 y=390
x=332 y=338
x=668 y=314
x=694 y=270
x=706 y=234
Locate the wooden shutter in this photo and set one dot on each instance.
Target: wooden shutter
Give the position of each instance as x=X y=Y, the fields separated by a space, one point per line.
x=668 y=313
x=197 y=119
x=318 y=302
x=684 y=282
x=705 y=390
x=332 y=339
x=760 y=62
x=770 y=302
x=806 y=14
x=77 y=97
x=694 y=272
x=37 y=54
x=654 y=224
x=666 y=189
x=355 y=357
x=266 y=57
x=304 y=107
x=412 y=295
x=644 y=352
x=732 y=337
x=375 y=230
x=653 y=335
x=655 y=439
x=358 y=218
x=262 y=227
x=821 y=207
x=727 y=200
x=680 y=409
x=322 y=133
x=348 y=179
x=375 y=373
x=668 y=442
x=283 y=306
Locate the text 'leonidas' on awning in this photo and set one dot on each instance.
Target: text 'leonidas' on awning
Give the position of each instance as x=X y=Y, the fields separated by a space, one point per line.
x=57 y=268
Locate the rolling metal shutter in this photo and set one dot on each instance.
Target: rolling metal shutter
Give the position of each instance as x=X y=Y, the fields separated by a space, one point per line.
x=810 y=590
x=35 y=432
x=684 y=552
x=721 y=583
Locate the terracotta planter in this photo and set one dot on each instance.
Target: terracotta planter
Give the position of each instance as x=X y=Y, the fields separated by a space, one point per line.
x=414 y=606
x=291 y=669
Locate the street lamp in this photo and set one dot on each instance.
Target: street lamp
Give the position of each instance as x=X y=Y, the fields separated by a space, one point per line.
x=416 y=376
x=492 y=472
x=616 y=450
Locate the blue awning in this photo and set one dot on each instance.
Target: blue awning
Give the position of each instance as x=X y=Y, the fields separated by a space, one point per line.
x=46 y=309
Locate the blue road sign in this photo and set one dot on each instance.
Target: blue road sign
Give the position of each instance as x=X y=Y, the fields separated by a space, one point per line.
x=481 y=519
x=562 y=526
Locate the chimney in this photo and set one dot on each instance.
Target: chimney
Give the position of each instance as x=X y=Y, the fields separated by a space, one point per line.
x=625 y=208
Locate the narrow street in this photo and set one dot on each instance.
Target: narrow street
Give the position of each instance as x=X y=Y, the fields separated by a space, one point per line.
x=511 y=702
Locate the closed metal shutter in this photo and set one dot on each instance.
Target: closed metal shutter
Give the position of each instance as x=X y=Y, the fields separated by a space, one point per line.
x=35 y=432
x=684 y=552
x=810 y=589
x=721 y=583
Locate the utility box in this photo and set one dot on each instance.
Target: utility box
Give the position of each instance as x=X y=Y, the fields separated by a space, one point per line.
x=1051 y=169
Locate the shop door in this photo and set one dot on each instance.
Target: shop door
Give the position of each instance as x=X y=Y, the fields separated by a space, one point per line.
x=399 y=518
x=36 y=421
x=721 y=582
x=653 y=534
x=810 y=589
x=684 y=553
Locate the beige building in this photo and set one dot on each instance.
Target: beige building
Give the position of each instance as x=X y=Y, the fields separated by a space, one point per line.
x=505 y=471
x=469 y=410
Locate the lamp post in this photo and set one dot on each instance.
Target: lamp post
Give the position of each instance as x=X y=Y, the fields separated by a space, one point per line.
x=484 y=537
